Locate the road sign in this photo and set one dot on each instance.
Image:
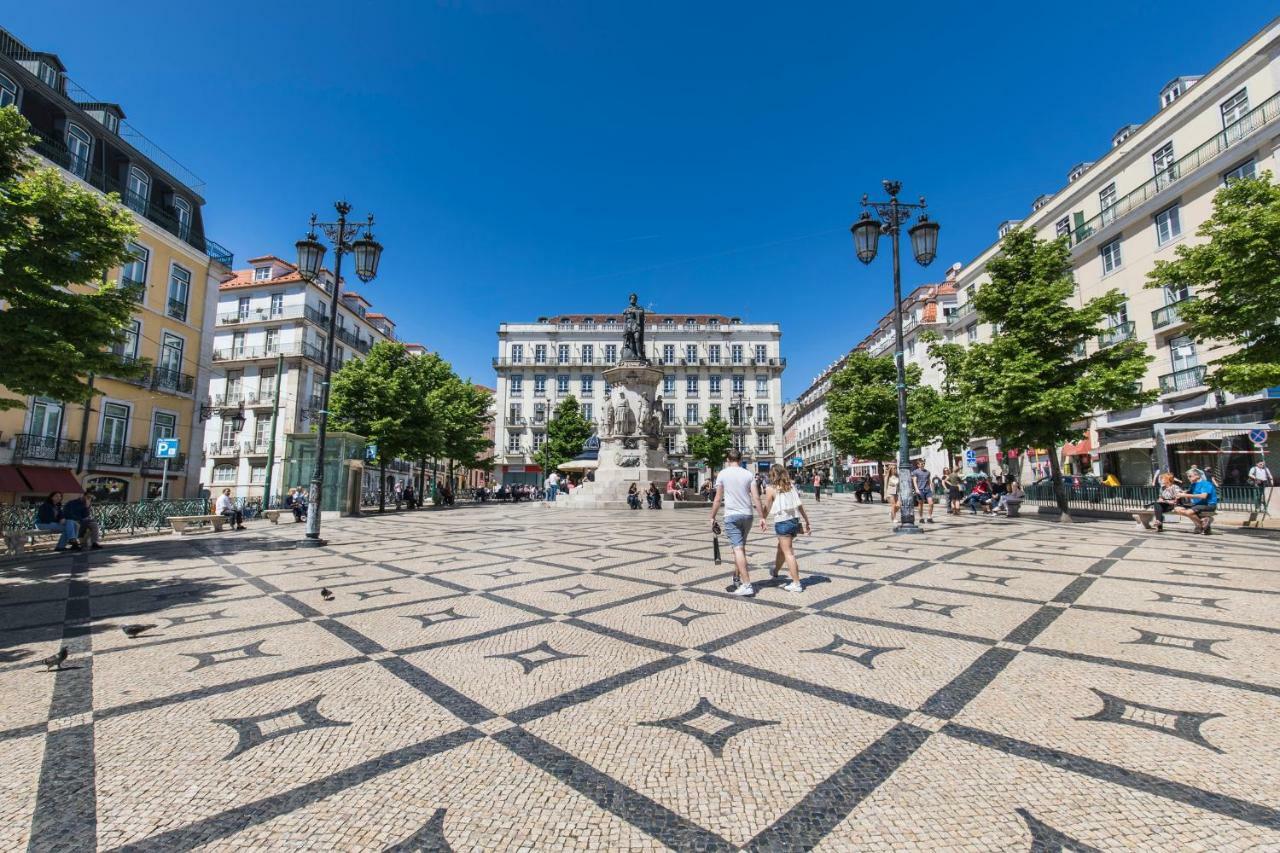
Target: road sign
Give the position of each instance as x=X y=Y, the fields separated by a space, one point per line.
x=797 y=461
x=971 y=458
x=166 y=448
x=371 y=452
x=1258 y=436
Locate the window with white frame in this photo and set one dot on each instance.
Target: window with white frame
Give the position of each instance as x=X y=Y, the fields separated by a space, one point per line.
x=134 y=271
x=691 y=386
x=1110 y=256
x=611 y=353
x=1168 y=225
x=111 y=121
x=1175 y=293
x=668 y=413
x=762 y=386
x=691 y=352
x=762 y=353
x=48 y=74
x=517 y=384
x=713 y=353
x=735 y=353
x=277 y=304
x=1062 y=228
x=224 y=473
x=242 y=307
x=513 y=442
x=540 y=354
x=1235 y=107
x=1106 y=200
x=668 y=385
x=585 y=383
x=762 y=413
x=262 y=273
x=562 y=384
x=738 y=384
x=8 y=91
x=138 y=190
x=539 y=439
x=539 y=385
x=691 y=413
x=1163 y=164
x=128 y=347
x=587 y=411
x=971 y=332
x=562 y=353
x=713 y=385
x=588 y=353
x=182 y=212
x=668 y=353
x=257 y=473
x=80 y=147
x=1247 y=169
x=517 y=353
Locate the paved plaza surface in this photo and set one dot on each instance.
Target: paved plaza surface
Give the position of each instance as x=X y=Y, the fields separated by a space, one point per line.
x=526 y=678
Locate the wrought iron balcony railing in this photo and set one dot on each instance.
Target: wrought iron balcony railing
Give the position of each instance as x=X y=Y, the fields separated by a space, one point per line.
x=1116 y=334
x=177 y=309
x=1168 y=316
x=1182 y=380
x=173 y=381
x=176 y=464
x=29 y=447
x=115 y=455
x=218 y=448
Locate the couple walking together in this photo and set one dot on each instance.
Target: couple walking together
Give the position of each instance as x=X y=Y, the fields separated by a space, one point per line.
x=735 y=489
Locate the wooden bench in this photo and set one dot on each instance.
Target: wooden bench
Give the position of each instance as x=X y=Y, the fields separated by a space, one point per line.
x=181 y=522
x=273 y=515
x=15 y=541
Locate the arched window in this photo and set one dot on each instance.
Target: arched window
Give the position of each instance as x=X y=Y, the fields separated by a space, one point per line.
x=138 y=193
x=8 y=91
x=182 y=208
x=80 y=147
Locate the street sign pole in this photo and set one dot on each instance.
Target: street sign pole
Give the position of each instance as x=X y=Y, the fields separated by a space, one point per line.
x=164 y=480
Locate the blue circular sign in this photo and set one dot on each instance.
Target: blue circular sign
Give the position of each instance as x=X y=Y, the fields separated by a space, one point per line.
x=1258 y=436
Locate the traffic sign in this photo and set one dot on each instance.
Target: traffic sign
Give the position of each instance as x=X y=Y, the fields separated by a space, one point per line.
x=971 y=458
x=166 y=448
x=1258 y=436
x=797 y=461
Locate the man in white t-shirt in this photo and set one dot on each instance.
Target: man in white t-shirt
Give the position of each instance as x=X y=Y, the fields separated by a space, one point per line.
x=1259 y=475
x=735 y=489
x=553 y=486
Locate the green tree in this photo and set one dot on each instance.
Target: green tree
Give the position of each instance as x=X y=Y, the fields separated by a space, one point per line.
x=426 y=427
x=1236 y=279
x=942 y=415
x=377 y=397
x=862 y=407
x=567 y=431
x=464 y=415
x=712 y=444
x=1032 y=384
x=58 y=241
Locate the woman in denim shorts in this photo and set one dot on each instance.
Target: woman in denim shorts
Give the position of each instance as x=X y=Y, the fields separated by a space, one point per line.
x=783 y=507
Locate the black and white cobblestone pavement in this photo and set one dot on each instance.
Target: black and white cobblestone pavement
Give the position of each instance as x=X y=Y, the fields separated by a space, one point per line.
x=522 y=678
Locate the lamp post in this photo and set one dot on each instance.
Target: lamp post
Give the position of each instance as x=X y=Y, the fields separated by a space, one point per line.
x=367 y=252
x=924 y=245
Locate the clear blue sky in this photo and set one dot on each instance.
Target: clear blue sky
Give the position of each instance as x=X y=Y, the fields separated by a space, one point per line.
x=537 y=157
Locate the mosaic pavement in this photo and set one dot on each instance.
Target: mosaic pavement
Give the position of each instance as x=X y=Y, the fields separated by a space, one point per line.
x=515 y=677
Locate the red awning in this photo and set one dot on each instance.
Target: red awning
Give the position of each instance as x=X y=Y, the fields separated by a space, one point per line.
x=50 y=480
x=1077 y=448
x=11 y=480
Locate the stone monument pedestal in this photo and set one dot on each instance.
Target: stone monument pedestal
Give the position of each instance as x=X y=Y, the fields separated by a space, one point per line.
x=631 y=447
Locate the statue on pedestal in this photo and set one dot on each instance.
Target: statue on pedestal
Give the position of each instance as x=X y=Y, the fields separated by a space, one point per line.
x=633 y=332
x=624 y=420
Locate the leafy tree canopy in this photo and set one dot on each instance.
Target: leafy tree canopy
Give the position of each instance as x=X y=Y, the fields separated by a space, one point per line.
x=862 y=406
x=378 y=396
x=712 y=444
x=567 y=431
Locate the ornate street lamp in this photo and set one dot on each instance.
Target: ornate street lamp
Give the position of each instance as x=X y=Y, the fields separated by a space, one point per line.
x=924 y=245
x=367 y=253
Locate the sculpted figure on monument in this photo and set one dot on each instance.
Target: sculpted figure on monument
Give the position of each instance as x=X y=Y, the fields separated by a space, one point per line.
x=633 y=332
x=653 y=425
x=624 y=420
x=609 y=418
x=642 y=419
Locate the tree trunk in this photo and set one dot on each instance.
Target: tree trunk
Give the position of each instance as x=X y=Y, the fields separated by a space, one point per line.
x=884 y=482
x=1055 y=474
x=382 y=484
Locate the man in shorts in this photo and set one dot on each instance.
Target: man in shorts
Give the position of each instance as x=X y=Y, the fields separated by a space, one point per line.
x=922 y=488
x=735 y=488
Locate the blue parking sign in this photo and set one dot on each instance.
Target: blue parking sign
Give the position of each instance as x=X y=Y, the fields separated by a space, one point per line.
x=166 y=448
x=971 y=458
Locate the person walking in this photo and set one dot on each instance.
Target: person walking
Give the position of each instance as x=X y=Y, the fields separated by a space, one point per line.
x=80 y=512
x=785 y=509
x=817 y=487
x=953 y=481
x=734 y=490
x=1260 y=475
x=891 y=483
x=553 y=486
x=922 y=489
x=49 y=517
x=226 y=508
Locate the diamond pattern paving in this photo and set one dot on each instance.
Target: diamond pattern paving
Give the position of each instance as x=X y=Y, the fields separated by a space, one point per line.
x=506 y=677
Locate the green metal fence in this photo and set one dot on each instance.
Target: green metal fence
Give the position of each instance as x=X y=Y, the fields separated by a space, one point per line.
x=1093 y=495
x=130 y=517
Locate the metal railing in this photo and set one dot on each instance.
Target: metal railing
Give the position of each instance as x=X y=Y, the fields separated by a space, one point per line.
x=218 y=448
x=1116 y=334
x=29 y=447
x=1182 y=380
x=253 y=448
x=353 y=339
x=1168 y=315
x=1252 y=121
x=242 y=353
x=113 y=517
x=1091 y=494
x=176 y=464
x=137 y=289
x=115 y=455
x=177 y=309
x=167 y=379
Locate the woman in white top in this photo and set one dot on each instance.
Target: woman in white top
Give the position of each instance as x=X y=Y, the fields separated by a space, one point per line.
x=891 y=483
x=783 y=507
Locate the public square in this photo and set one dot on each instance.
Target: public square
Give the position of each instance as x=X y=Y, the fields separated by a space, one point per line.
x=520 y=677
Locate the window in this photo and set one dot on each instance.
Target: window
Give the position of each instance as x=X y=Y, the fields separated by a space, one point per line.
x=277 y=304
x=79 y=146
x=1106 y=199
x=540 y=354
x=224 y=473
x=971 y=332
x=182 y=211
x=242 y=307
x=611 y=323
x=669 y=443
x=273 y=340
x=128 y=348
x=1182 y=353
x=668 y=322
x=1235 y=107
x=588 y=322
x=713 y=385
x=668 y=413
x=179 y=292
x=668 y=385
x=668 y=353
x=8 y=91
x=691 y=413
x=1244 y=170
x=1175 y=293
x=690 y=322
x=762 y=353
x=138 y=190
x=1062 y=228
x=762 y=386
x=588 y=353
x=266 y=383
x=1110 y=257
x=517 y=353
x=115 y=426
x=169 y=370
x=134 y=271
x=562 y=384
x=715 y=410
x=513 y=442
x=339 y=356
x=735 y=353
x=539 y=385
x=257 y=473
x=562 y=353
x=1167 y=225
x=48 y=74
x=515 y=413
x=1164 y=165
x=610 y=353
x=539 y=413
x=46 y=425
x=691 y=353
x=163 y=425
x=738 y=384
x=517 y=384
x=539 y=439
x=762 y=413
x=262 y=273
x=585 y=384
x=586 y=411
x=691 y=386
x=112 y=121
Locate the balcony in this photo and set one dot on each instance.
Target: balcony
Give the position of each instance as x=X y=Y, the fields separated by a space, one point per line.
x=137 y=289
x=1189 y=379
x=177 y=309
x=29 y=447
x=516 y=420
x=293 y=350
x=173 y=381
x=106 y=454
x=763 y=423
x=1114 y=335
x=1168 y=318
x=143 y=379
x=253 y=448
x=352 y=339
x=223 y=449
x=176 y=464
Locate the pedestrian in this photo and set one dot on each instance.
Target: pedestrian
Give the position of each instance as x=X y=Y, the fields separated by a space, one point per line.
x=49 y=517
x=817 y=487
x=1201 y=501
x=80 y=511
x=891 y=483
x=410 y=499
x=733 y=489
x=553 y=486
x=922 y=489
x=226 y=508
x=953 y=480
x=299 y=505
x=785 y=509
x=1260 y=475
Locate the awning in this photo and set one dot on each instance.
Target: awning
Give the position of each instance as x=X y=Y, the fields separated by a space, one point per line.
x=11 y=480
x=1133 y=444
x=1077 y=448
x=50 y=480
x=1205 y=434
x=580 y=465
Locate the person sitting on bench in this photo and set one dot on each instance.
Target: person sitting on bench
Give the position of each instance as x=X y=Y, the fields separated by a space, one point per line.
x=1201 y=501
x=227 y=509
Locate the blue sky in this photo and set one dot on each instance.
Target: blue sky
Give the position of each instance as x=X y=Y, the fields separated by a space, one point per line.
x=537 y=157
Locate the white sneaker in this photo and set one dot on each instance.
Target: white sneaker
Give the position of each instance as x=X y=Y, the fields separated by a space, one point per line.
x=794 y=586
x=745 y=589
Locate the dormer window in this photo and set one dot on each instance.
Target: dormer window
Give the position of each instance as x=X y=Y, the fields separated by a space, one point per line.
x=691 y=322
x=668 y=322
x=111 y=122
x=1171 y=94
x=182 y=211
x=48 y=75
x=8 y=91
x=79 y=146
x=138 y=192
x=262 y=273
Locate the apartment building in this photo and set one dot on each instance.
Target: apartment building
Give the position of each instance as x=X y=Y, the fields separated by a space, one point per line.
x=107 y=447
x=1145 y=194
x=712 y=364
x=268 y=347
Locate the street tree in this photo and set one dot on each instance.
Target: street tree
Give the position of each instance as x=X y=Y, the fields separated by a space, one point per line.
x=426 y=422
x=58 y=241
x=862 y=407
x=567 y=431
x=1234 y=279
x=942 y=414
x=1036 y=383
x=712 y=444
x=464 y=414
x=375 y=397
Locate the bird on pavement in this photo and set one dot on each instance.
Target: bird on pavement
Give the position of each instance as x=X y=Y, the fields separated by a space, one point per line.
x=326 y=594
x=55 y=661
x=132 y=631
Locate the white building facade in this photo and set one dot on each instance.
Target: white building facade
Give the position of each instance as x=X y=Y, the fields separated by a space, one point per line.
x=711 y=363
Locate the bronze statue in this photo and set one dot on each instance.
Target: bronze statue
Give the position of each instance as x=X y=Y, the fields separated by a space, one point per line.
x=633 y=332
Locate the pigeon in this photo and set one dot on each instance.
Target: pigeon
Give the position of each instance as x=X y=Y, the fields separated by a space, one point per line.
x=326 y=593
x=55 y=661
x=132 y=631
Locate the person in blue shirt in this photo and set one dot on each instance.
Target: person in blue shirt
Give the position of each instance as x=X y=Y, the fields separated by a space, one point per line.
x=1202 y=501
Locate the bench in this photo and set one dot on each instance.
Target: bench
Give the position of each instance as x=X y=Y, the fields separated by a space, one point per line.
x=181 y=522
x=15 y=541
x=273 y=515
